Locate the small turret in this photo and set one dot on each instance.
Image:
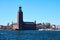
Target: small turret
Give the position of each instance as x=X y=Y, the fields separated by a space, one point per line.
x=8 y=24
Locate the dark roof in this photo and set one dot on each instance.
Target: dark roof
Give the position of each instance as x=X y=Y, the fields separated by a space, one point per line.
x=29 y=22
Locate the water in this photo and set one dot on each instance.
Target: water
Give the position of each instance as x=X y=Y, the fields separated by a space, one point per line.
x=29 y=35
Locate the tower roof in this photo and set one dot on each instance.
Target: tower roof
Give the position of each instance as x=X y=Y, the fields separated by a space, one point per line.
x=20 y=9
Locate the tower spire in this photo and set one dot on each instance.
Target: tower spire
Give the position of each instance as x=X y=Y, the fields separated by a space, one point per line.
x=20 y=9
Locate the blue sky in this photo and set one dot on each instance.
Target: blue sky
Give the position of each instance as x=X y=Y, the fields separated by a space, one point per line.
x=39 y=10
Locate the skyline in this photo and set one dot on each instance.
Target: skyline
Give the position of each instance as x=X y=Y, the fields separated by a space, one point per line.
x=46 y=11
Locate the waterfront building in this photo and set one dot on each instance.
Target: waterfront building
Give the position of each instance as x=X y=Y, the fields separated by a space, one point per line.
x=25 y=25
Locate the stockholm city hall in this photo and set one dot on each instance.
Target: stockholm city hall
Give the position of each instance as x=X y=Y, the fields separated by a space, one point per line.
x=25 y=25
x=22 y=25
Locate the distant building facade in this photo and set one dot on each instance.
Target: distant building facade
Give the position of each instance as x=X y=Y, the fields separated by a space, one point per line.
x=14 y=26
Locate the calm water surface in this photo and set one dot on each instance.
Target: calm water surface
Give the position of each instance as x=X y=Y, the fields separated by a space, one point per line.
x=29 y=35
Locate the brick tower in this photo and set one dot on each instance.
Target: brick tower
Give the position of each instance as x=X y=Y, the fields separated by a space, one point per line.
x=20 y=18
